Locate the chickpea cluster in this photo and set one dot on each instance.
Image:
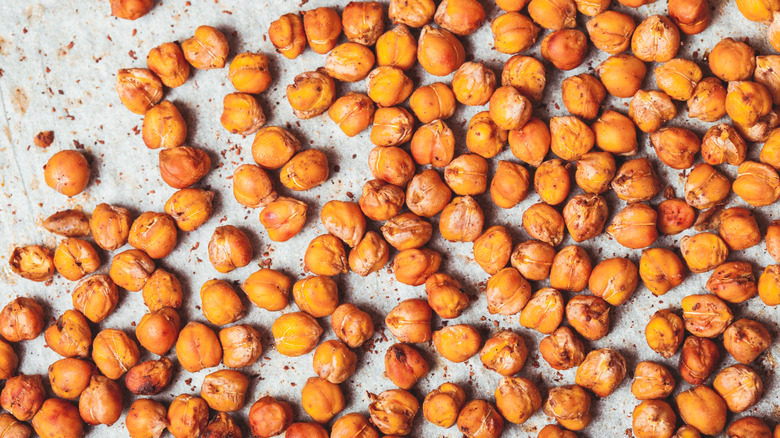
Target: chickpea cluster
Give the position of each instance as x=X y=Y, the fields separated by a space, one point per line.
x=422 y=181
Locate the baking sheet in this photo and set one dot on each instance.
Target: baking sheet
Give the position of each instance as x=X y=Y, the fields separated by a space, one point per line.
x=58 y=61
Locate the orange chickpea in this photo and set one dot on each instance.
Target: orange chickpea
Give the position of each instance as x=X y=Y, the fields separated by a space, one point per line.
x=461 y=220
x=480 y=419
x=131 y=269
x=353 y=326
x=439 y=52
x=369 y=255
x=316 y=295
x=692 y=17
x=703 y=252
x=407 y=231
x=543 y=222
x=635 y=226
x=723 y=144
x=565 y=48
x=651 y=109
x=457 y=343
x=404 y=365
x=287 y=35
x=157 y=331
x=197 y=347
x=393 y=126
x=249 y=73
x=114 y=353
x=380 y=200
x=461 y=17
x=325 y=255
x=306 y=170
x=622 y=75
x=363 y=22
x=414 y=266
x=322 y=27
x=569 y=405
x=96 y=297
x=473 y=83
x=678 y=78
x=493 y=249
x=163 y=126
x=582 y=95
x=311 y=94
x=410 y=321
x=507 y=292
x=139 y=89
x=656 y=38
x=334 y=361
x=241 y=346
x=207 y=49
x=552 y=182
x=553 y=14
x=610 y=31
x=467 y=175
x=269 y=417
x=296 y=333
x=273 y=147
x=571 y=138
x=589 y=316
x=708 y=102
x=544 y=311
x=353 y=113
x=397 y=48
x=58 y=418
x=527 y=74
x=349 y=62
x=757 y=184
x=388 y=86
x=67 y=172
x=509 y=185
x=702 y=408
x=153 y=233
x=675 y=216
x=705 y=187
x=595 y=172
x=391 y=164
x=70 y=336
x=432 y=102
x=484 y=137
x=445 y=296
x=344 y=220
x=615 y=133
x=732 y=60
x=150 y=377
x=283 y=218
x=513 y=32
x=602 y=371
x=562 y=349
x=505 y=353
x=442 y=405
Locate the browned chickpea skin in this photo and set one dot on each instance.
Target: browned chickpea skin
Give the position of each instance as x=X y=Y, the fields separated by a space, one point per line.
x=493 y=249
x=543 y=222
x=480 y=419
x=369 y=255
x=738 y=228
x=636 y=181
x=513 y=32
x=509 y=109
x=269 y=417
x=414 y=266
x=544 y=311
x=461 y=220
x=602 y=371
x=517 y=399
x=74 y=258
x=110 y=226
x=445 y=296
x=283 y=218
x=252 y=187
x=678 y=78
x=589 y=316
x=675 y=147
x=188 y=416
x=484 y=137
x=353 y=326
x=505 y=353
x=249 y=73
x=595 y=172
x=705 y=316
x=653 y=418
x=582 y=95
x=224 y=390
x=349 y=62
x=507 y=292
x=363 y=22
x=23 y=396
x=241 y=346
x=146 y=419
x=287 y=35
x=325 y=255
x=652 y=381
x=353 y=113
x=322 y=27
x=130 y=9
x=157 y=331
x=746 y=339
x=461 y=17
x=651 y=109
x=413 y=13
x=410 y=321
x=509 y=185
x=197 y=347
x=407 y=231
x=150 y=377
x=527 y=74
x=698 y=359
x=68 y=223
x=664 y=332
x=656 y=38
x=635 y=226
x=388 y=86
x=553 y=14
x=733 y=282
x=114 y=353
x=466 y=175
x=571 y=138
x=273 y=147
x=101 y=401
x=139 y=89
x=67 y=172
x=306 y=170
x=757 y=184
x=397 y=48
x=585 y=216
x=334 y=361
x=565 y=48
x=183 y=166
x=311 y=94
x=21 y=320
x=95 y=297
x=70 y=336
x=380 y=200
x=164 y=127
x=473 y=83
x=708 y=102
x=747 y=102
x=393 y=411
x=404 y=365
x=703 y=252
x=740 y=387
x=154 y=233
x=350 y=425
x=622 y=75
x=610 y=31
x=432 y=102
x=675 y=216
x=58 y=418
x=344 y=220
x=732 y=60
x=391 y=164
x=68 y=377
x=569 y=405
x=221 y=425
x=705 y=187
x=393 y=126
x=552 y=182
x=316 y=295
x=241 y=114
x=207 y=49
x=766 y=75
x=457 y=343
x=439 y=51
x=691 y=16
x=442 y=405
x=614 y=280
x=131 y=269
x=749 y=427
x=562 y=349
x=723 y=144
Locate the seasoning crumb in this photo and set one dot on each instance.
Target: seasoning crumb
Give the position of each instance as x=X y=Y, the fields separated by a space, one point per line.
x=43 y=139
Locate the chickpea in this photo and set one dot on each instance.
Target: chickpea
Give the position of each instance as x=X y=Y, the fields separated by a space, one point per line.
x=675 y=216
x=705 y=187
x=397 y=48
x=150 y=377
x=517 y=399
x=251 y=187
x=595 y=172
x=678 y=78
x=224 y=390
x=479 y=419
x=706 y=316
x=316 y=295
x=393 y=411
x=146 y=418
x=349 y=62
x=746 y=339
x=585 y=216
x=68 y=223
x=445 y=296
x=527 y=74
x=74 y=258
x=614 y=280
x=183 y=166
x=344 y=220
x=162 y=289
x=698 y=359
x=283 y=218
x=352 y=325
x=110 y=226
x=509 y=185
x=380 y=200
x=733 y=282
x=130 y=9
x=21 y=320
x=389 y=86
x=660 y=270
x=58 y=418
x=758 y=11
x=738 y=228
x=187 y=416
x=101 y=401
x=153 y=233
x=306 y=430
x=740 y=387
x=763 y=127
x=765 y=75
x=353 y=113
x=493 y=249
x=509 y=109
x=414 y=266
x=565 y=48
x=164 y=126
x=432 y=102
x=207 y=49
x=610 y=31
x=70 y=336
x=168 y=63
x=457 y=343
x=653 y=418
x=461 y=220
x=296 y=333
x=691 y=16
x=615 y=133
x=757 y=184
x=273 y=147
x=652 y=381
x=552 y=182
x=114 y=353
x=636 y=180
x=306 y=170
x=269 y=417
x=68 y=377
x=602 y=371
x=553 y=14
x=241 y=346
x=130 y=270
x=363 y=22
x=749 y=427
x=96 y=297
x=543 y=222
x=139 y=89
x=8 y=360
x=322 y=27
x=221 y=425
x=67 y=172
x=571 y=137
x=773 y=240
x=249 y=72
x=23 y=396
x=513 y=32
x=507 y=292
x=404 y=365
x=708 y=102
x=562 y=349
x=635 y=226
x=334 y=361
x=407 y=231
x=484 y=136
x=511 y=5
x=410 y=321
x=350 y=425
x=664 y=332
x=466 y=175
x=415 y=13
x=732 y=60
x=369 y=255
x=197 y=347
x=439 y=51
x=723 y=144
x=505 y=353
x=461 y=17
x=427 y=194
x=473 y=83
x=157 y=331
x=650 y=110
x=675 y=147
x=287 y=35
x=544 y=311
x=311 y=94
x=569 y=405
x=391 y=164
x=747 y=102
x=553 y=431
x=442 y=405
x=592 y=7
x=321 y=399
x=589 y=316
x=582 y=95
x=622 y=75
x=656 y=38
x=241 y=114
x=393 y=126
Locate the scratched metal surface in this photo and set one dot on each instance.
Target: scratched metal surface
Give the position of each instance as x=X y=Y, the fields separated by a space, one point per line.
x=58 y=61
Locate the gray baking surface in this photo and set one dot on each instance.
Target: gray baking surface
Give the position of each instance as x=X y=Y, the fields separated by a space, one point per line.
x=58 y=60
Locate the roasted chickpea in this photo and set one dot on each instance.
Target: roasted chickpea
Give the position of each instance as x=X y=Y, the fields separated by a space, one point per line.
x=427 y=194
x=311 y=430
x=8 y=360
x=589 y=316
x=306 y=170
x=509 y=185
x=344 y=220
x=772 y=238
x=614 y=280
x=311 y=94
x=23 y=396
x=321 y=399
x=146 y=419
x=602 y=371
x=241 y=114
x=415 y=13
x=552 y=182
x=58 y=418
x=652 y=381
x=397 y=48
x=569 y=405
x=164 y=126
x=651 y=109
x=507 y=292
x=705 y=187
x=393 y=411
x=610 y=31
x=322 y=27
x=698 y=359
x=678 y=78
x=622 y=75
x=636 y=180
x=473 y=83
x=334 y=361
x=391 y=164
x=765 y=74
x=562 y=349
x=67 y=172
x=585 y=216
x=432 y=102
x=445 y=296
x=466 y=175
x=706 y=316
x=188 y=416
x=439 y=52
x=197 y=347
x=740 y=387
x=221 y=425
x=130 y=9
x=131 y=269
x=565 y=48
x=442 y=405
x=350 y=425
x=114 y=353
x=703 y=252
x=139 y=89
x=153 y=233
x=635 y=226
x=691 y=16
x=675 y=147
x=101 y=401
x=511 y=5
x=96 y=297
x=708 y=102
x=733 y=282
x=544 y=311
x=747 y=102
x=675 y=216
x=353 y=113
x=287 y=35
x=757 y=184
x=393 y=126
x=457 y=343
x=249 y=73
x=517 y=399
x=388 y=86
x=410 y=321
x=554 y=431
x=380 y=200
x=571 y=138
x=162 y=289
x=738 y=228
x=296 y=333
x=74 y=258
x=150 y=377
x=749 y=427
x=492 y=249
x=224 y=390
x=595 y=172
x=732 y=60
x=414 y=266
x=723 y=144
x=527 y=74
x=509 y=109
x=183 y=166
x=513 y=32
x=241 y=345
x=316 y=295
x=207 y=49
x=553 y=14
x=369 y=255
x=461 y=220
x=68 y=377
x=543 y=222
x=363 y=22
x=168 y=63
x=157 y=331
x=479 y=419
x=404 y=365
x=251 y=187
x=68 y=223
x=592 y=7
x=582 y=95
x=407 y=231
x=273 y=147
x=484 y=137
x=349 y=62
x=746 y=339
x=21 y=320
x=110 y=226
x=615 y=133
x=653 y=418
x=505 y=353
x=352 y=325
x=461 y=17
x=269 y=417
x=661 y=270
x=70 y=336
x=283 y=218
x=656 y=38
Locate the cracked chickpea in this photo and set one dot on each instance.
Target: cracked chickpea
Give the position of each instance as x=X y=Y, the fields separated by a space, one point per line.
x=101 y=401
x=635 y=226
x=698 y=359
x=615 y=133
x=509 y=109
x=747 y=102
x=531 y=142
x=570 y=269
x=305 y=170
x=68 y=377
x=738 y=228
x=96 y=297
x=569 y=405
x=442 y=405
x=484 y=137
x=269 y=417
x=131 y=269
x=316 y=295
x=397 y=48
x=273 y=147
x=622 y=75
x=350 y=425
x=325 y=255
x=393 y=411
x=656 y=38
x=740 y=387
x=636 y=181
x=513 y=32
x=334 y=361
x=114 y=353
x=585 y=216
x=466 y=175
x=249 y=73
x=445 y=296
x=168 y=63
x=432 y=102
x=207 y=49
x=311 y=94
x=552 y=182
x=675 y=147
x=505 y=353
x=23 y=396
x=480 y=419
x=21 y=320
x=283 y=218
x=241 y=346
x=407 y=231
x=582 y=95
x=414 y=266
x=461 y=220
x=705 y=316
x=191 y=208
x=544 y=311
x=653 y=418
x=70 y=336
x=139 y=89
x=757 y=184
x=507 y=292
x=380 y=201
x=344 y=220
x=241 y=114
x=183 y=166
x=652 y=381
x=565 y=48
x=595 y=172
x=353 y=326
x=708 y=102
x=543 y=222
x=404 y=365
x=517 y=399
x=614 y=280
x=457 y=343
x=705 y=187
x=678 y=78
x=391 y=164
x=287 y=35
x=388 y=86
x=473 y=83
x=153 y=233
x=650 y=110
x=164 y=127
x=703 y=252
x=602 y=371
x=733 y=282
x=745 y=340
x=224 y=390
x=589 y=316
x=553 y=14
x=74 y=258
x=527 y=74
x=162 y=289
x=369 y=255
x=610 y=31
x=157 y=331
x=150 y=377
x=321 y=399
x=571 y=138
x=439 y=51
x=146 y=419
x=188 y=416
x=410 y=321
x=363 y=22
x=393 y=126
x=723 y=144
x=461 y=17
x=562 y=349
x=352 y=113
x=8 y=360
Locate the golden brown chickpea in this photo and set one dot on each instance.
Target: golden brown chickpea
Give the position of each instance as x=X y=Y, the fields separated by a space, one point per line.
x=207 y=49
x=241 y=114
x=457 y=343
x=585 y=216
x=349 y=62
x=738 y=228
x=746 y=339
x=610 y=31
x=334 y=361
x=439 y=52
x=678 y=78
x=393 y=411
x=321 y=399
x=708 y=102
x=571 y=139
x=675 y=147
x=74 y=258
x=168 y=63
x=653 y=418
x=507 y=292
x=67 y=172
x=101 y=401
x=492 y=249
x=391 y=164
x=130 y=270
x=309 y=430
x=146 y=419
x=21 y=320
x=614 y=280
x=636 y=180
x=565 y=48
x=656 y=38
x=569 y=405
x=544 y=311
x=68 y=223
x=698 y=359
x=322 y=27
x=150 y=377
x=554 y=431
x=543 y=222
x=461 y=17
x=592 y=7
x=273 y=147
x=241 y=346
x=110 y=226
x=749 y=427
x=427 y=194
x=162 y=289
x=68 y=377
x=369 y=255
x=509 y=185
x=480 y=419
x=432 y=102
x=348 y=426
x=414 y=13
x=58 y=418
x=733 y=282
x=183 y=166
x=661 y=270
x=363 y=22
x=353 y=113
x=675 y=216
x=393 y=126
x=287 y=35
x=224 y=390
x=221 y=426
x=344 y=220
x=466 y=175
x=747 y=102
x=414 y=266
x=461 y=220
x=249 y=73
x=562 y=349
x=251 y=187
x=316 y=295
x=595 y=172
x=96 y=297
x=130 y=9
x=473 y=83
x=352 y=325
x=404 y=365
x=758 y=10
x=114 y=353
x=766 y=75
x=652 y=381
x=527 y=74
x=513 y=32
x=635 y=226
x=197 y=347
x=517 y=399
x=153 y=233
x=191 y=208
x=311 y=94
x=723 y=144
x=757 y=184
x=505 y=353
x=582 y=95
x=283 y=218
x=732 y=60
x=703 y=252
x=602 y=371
x=70 y=336
x=163 y=126
x=705 y=316
x=509 y=109
x=442 y=405
x=651 y=109
x=615 y=133
x=691 y=16
x=589 y=316
x=380 y=200
x=622 y=75
x=397 y=48
x=664 y=332
x=8 y=360
x=188 y=416
x=740 y=387
x=553 y=14
x=552 y=182
x=407 y=231
x=705 y=187
x=139 y=89
x=269 y=417
x=296 y=333
x=770 y=152
x=388 y=86
x=23 y=396
x=484 y=137
x=157 y=331
x=445 y=296
x=306 y=170
x=410 y=321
